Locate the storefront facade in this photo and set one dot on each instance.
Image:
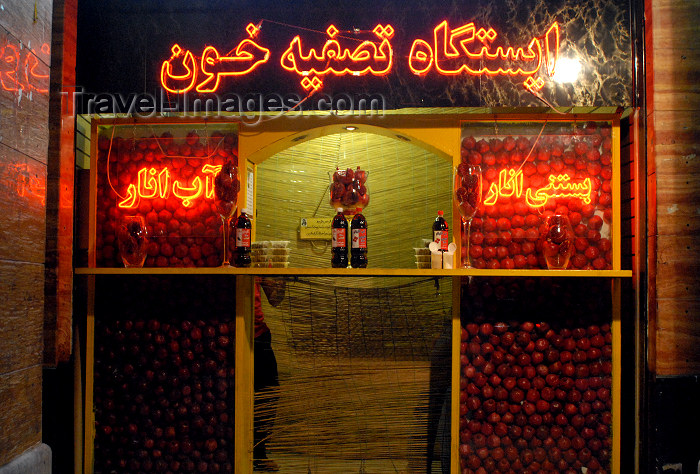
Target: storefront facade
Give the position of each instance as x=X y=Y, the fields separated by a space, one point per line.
x=408 y=93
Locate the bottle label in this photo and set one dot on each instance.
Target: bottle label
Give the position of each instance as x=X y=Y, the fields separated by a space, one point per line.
x=359 y=238
x=339 y=239
x=442 y=238
x=243 y=238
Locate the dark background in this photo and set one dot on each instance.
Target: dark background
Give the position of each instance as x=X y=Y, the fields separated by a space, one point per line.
x=122 y=44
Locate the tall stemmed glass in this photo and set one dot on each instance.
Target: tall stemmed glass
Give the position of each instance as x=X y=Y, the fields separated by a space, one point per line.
x=132 y=240
x=467 y=195
x=558 y=245
x=226 y=187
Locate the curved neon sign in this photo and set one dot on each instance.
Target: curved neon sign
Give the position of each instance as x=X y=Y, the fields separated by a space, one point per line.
x=468 y=50
x=464 y=50
x=205 y=75
x=153 y=182
x=366 y=58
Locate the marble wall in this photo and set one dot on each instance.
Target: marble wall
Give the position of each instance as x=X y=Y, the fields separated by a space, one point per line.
x=121 y=46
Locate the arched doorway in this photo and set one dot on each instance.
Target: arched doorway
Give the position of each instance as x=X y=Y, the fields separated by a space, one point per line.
x=407 y=185
x=362 y=361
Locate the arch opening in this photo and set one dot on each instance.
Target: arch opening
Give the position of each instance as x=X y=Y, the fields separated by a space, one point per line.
x=407 y=185
x=258 y=145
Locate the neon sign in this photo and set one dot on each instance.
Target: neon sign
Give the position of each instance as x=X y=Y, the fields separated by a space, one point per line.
x=152 y=183
x=241 y=60
x=465 y=50
x=510 y=183
x=367 y=58
x=468 y=50
x=179 y=83
x=21 y=69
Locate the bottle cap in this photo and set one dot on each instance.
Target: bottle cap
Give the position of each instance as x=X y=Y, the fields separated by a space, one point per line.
x=358 y=209
x=440 y=213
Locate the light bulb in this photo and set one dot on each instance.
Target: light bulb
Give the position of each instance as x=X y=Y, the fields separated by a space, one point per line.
x=567 y=70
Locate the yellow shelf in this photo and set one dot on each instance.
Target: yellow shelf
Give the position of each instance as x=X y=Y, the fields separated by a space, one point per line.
x=354 y=272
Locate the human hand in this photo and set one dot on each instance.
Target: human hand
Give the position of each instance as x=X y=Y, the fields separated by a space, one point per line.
x=274 y=289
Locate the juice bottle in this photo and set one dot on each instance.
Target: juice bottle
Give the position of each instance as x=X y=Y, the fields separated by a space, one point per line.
x=339 y=247
x=243 y=227
x=440 y=232
x=358 y=250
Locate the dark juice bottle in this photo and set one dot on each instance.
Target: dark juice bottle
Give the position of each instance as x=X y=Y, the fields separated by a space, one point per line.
x=339 y=247
x=358 y=249
x=243 y=227
x=440 y=232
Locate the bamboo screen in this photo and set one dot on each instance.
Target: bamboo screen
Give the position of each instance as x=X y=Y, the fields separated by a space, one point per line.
x=355 y=354
x=360 y=370
x=407 y=186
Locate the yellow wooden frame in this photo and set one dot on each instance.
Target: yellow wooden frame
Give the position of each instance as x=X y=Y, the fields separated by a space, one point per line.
x=438 y=133
x=456 y=371
x=243 y=375
x=359 y=272
x=616 y=327
x=89 y=416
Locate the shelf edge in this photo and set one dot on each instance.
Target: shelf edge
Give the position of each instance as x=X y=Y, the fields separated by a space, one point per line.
x=354 y=272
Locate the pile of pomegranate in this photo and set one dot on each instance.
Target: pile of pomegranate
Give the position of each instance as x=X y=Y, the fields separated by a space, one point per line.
x=536 y=375
x=179 y=235
x=164 y=378
x=508 y=234
x=348 y=190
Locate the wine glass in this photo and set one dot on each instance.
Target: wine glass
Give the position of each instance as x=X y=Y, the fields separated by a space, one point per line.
x=132 y=241
x=226 y=187
x=467 y=195
x=558 y=243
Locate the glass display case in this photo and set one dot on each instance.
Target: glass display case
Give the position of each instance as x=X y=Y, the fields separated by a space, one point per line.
x=529 y=172
x=166 y=176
